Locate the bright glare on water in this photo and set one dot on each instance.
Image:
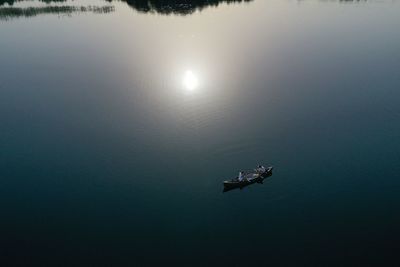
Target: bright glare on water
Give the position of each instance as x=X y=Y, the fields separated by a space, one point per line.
x=190 y=81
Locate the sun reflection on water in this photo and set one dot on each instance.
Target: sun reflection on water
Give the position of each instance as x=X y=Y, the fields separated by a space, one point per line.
x=190 y=81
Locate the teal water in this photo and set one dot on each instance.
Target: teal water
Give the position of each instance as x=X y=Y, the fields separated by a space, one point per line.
x=120 y=120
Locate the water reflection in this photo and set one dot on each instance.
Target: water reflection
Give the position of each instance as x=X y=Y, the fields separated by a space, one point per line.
x=176 y=6
x=190 y=81
x=145 y=6
x=12 y=2
x=107 y=159
x=7 y=13
x=164 y=7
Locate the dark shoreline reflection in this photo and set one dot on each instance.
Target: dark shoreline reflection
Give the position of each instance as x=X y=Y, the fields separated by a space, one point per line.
x=165 y=7
x=7 y=13
x=177 y=7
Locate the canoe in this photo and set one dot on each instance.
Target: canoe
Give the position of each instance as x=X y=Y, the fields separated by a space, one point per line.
x=249 y=177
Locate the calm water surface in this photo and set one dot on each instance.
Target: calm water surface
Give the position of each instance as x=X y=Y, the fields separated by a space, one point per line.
x=120 y=120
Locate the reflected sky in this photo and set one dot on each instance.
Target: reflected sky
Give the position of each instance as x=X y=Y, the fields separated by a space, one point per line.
x=275 y=58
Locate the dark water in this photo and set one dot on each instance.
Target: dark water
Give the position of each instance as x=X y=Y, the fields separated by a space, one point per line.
x=120 y=120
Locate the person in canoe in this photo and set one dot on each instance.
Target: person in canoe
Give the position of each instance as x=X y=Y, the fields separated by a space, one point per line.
x=261 y=169
x=240 y=177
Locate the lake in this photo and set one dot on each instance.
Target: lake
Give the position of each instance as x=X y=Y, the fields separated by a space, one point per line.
x=119 y=121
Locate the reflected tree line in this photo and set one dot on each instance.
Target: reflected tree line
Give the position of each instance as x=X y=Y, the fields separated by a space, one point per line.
x=166 y=7
x=180 y=7
x=7 y=13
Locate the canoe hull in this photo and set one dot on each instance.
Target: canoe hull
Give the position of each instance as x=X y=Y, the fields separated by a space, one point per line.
x=235 y=183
